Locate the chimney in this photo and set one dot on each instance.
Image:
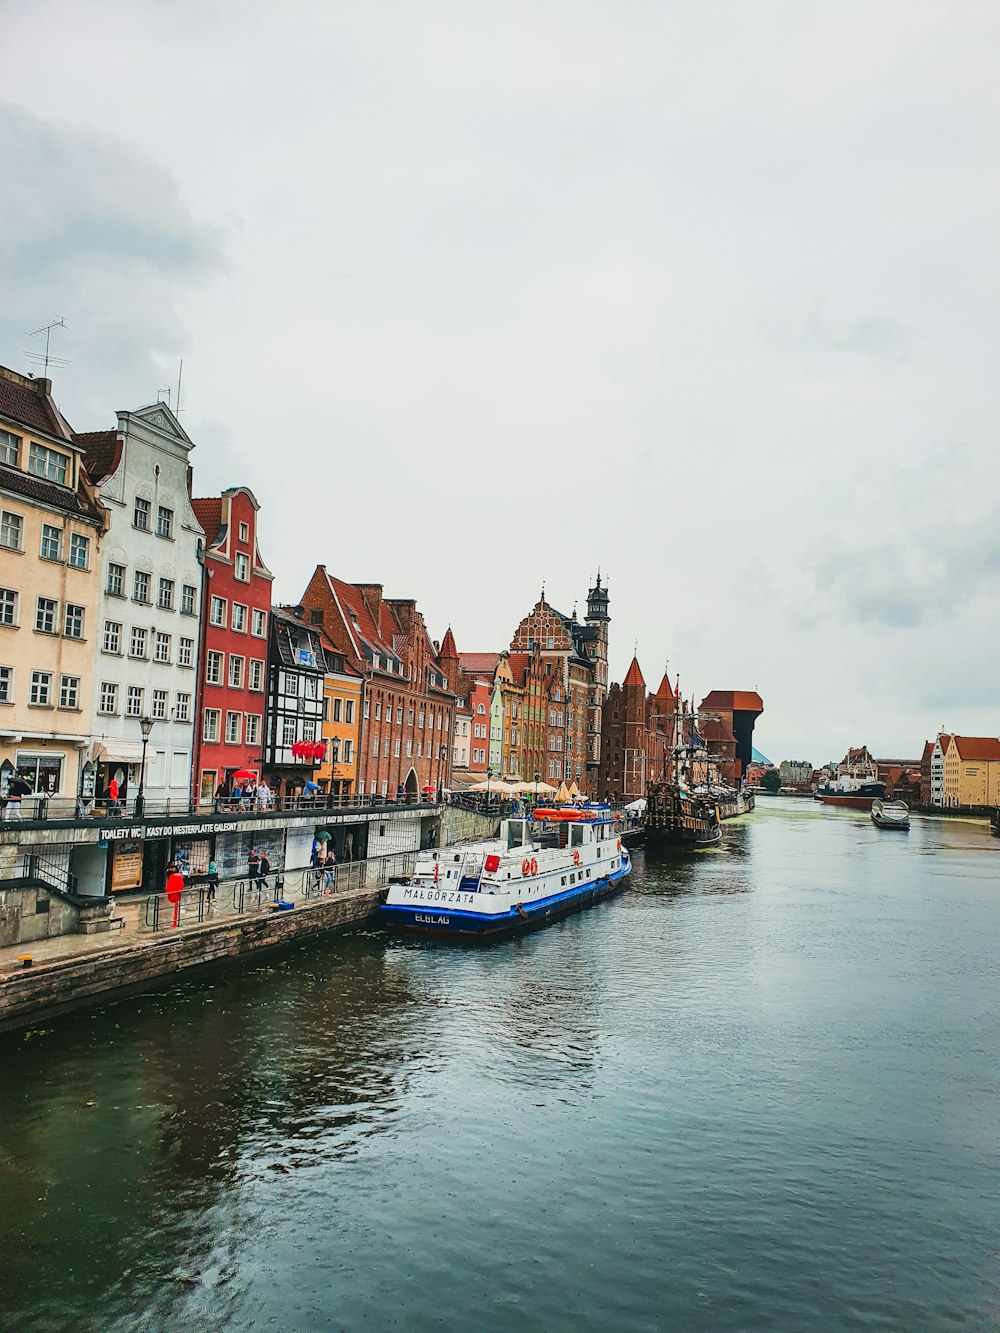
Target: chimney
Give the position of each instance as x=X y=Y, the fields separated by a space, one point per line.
x=372 y=594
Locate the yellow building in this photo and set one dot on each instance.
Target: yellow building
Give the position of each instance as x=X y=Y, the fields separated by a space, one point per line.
x=342 y=689
x=512 y=742
x=971 y=771
x=51 y=525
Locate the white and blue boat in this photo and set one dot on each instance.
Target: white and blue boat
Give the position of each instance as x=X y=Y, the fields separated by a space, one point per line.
x=558 y=861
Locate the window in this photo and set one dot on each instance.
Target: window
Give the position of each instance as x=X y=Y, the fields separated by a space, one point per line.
x=51 y=542
x=258 y=623
x=185 y=652
x=239 y=620
x=41 y=689
x=337 y=707
x=349 y=711
x=234 y=723
x=244 y=532
x=217 y=611
x=420 y=718
x=374 y=747
x=189 y=596
x=47 y=463
x=347 y=751
x=69 y=692
x=164 y=521
x=309 y=684
x=162 y=649
x=140 y=587
x=242 y=569
x=366 y=709
x=165 y=597
x=288 y=731
x=397 y=747
x=6 y=684
x=140 y=514
x=79 y=551
x=211 y=724
x=9 y=448
x=11 y=528
x=420 y=749
x=8 y=606
x=255 y=680
x=213 y=668
x=251 y=732
x=116 y=580
x=409 y=749
x=550 y=642
x=45 y=615
x=235 y=672
x=73 y=621
x=159 y=709
x=109 y=697
x=137 y=642
x=182 y=711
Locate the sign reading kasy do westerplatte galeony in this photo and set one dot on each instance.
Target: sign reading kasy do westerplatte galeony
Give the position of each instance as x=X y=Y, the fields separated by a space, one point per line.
x=131 y=832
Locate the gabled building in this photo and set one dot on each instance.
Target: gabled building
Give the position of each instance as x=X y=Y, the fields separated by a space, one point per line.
x=972 y=772
x=940 y=746
x=148 y=621
x=636 y=736
x=234 y=631
x=296 y=668
x=408 y=720
x=51 y=530
x=737 y=711
x=342 y=703
x=566 y=685
x=470 y=678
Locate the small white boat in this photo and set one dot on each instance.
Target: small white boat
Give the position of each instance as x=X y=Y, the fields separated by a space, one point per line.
x=890 y=814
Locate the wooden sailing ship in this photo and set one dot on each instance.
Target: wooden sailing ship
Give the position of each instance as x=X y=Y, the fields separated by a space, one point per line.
x=675 y=817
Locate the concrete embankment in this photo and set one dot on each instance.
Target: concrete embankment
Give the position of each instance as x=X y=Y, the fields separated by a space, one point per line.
x=56 y=984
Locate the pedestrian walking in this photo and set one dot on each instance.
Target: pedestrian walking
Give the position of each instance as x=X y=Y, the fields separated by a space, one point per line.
x=330 y=871
x=213 y=880
x=219 y=799
x=263 y=870
x=253 y=865
x=175 y=890
x=263 y=796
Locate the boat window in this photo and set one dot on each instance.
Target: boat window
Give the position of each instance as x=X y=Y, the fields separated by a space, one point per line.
x=564 y=880
x=515 y=833
x=576 y=835
x=572 y=878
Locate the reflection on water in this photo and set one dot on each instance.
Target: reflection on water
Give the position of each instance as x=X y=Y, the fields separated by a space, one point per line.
x=757 y=1090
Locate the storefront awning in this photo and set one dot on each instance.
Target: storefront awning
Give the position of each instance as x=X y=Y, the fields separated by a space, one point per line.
x=118 y=752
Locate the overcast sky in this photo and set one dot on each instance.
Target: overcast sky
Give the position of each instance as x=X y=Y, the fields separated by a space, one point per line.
x=473 y=295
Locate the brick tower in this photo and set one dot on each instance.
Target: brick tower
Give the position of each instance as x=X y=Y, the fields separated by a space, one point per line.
x=597 y=622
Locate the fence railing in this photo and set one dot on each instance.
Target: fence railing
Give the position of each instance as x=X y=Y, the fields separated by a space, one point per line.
x=44 y=809
x=203 y=902
x=49 y=871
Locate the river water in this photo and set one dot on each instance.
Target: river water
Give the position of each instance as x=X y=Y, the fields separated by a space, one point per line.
x=757 y=1091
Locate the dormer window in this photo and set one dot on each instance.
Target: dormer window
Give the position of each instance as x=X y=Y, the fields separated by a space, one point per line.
x=10 y=448
x=47 y=463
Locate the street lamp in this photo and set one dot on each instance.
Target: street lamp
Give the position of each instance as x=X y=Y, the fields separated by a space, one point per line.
x=489 y=774
x=145 y=726
x=537 y=780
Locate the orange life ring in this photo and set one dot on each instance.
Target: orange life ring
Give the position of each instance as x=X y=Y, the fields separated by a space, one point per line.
x=576 y=857
x=534 y=866
x=525 y=867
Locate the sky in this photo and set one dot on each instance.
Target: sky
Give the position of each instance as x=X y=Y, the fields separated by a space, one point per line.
x=473 y=297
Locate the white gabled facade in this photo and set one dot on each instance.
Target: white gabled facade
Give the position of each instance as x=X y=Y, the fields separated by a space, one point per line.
x=147 y=635
x=937 y=768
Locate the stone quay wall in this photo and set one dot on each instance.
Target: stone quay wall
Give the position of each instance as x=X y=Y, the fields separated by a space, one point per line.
x=51 y=987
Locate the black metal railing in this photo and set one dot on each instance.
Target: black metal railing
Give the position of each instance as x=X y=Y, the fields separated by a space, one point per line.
x=50 y=809
x=50 y=871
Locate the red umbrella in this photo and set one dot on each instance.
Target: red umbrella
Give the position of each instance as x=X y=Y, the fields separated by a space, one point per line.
x=430 y=788
x=243 y=775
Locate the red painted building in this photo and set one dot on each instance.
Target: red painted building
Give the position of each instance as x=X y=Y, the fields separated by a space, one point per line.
x=232 y=663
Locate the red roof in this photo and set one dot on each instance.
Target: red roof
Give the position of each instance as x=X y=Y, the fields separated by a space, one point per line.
x=100 y=452
x=477 y=664
x=741 y=701
x=448 y=648
x=28 y=402
x=666 y=690
x=634 y=675
x=208 y=512
x=519 y=663
x=977 y=747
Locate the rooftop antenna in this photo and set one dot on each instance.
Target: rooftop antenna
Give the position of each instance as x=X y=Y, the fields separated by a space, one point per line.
x=47 y=359
x=180 y=373
x=161 y=392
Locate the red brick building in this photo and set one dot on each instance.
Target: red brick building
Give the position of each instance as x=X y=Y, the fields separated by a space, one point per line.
x=232 y=661
x=636 y=736
x=408 y=714
x=470 y=677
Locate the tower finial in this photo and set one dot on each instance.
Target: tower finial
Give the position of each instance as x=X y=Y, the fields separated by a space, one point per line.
x=543 y=590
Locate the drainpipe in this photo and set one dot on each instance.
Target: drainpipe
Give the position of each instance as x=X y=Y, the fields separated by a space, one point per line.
x=199 y=687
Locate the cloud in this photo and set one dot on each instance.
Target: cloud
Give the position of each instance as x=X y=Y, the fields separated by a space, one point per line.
x=95 y=231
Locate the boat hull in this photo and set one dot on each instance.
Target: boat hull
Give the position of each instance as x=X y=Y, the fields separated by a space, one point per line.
x=445 y=922
x=846 y=801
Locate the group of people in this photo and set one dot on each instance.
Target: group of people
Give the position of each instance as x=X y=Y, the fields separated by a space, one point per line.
x=243 y=795
x=323 y=860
